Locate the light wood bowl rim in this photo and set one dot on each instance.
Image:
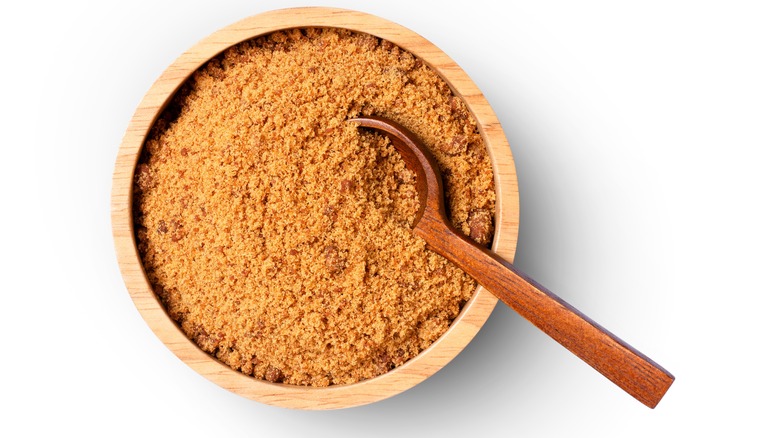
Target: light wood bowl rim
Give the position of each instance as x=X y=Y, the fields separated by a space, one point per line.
x=463 y=329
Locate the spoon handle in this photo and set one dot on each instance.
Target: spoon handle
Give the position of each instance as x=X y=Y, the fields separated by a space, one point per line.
x=631 y=370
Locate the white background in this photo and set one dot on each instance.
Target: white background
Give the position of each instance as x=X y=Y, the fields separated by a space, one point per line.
x=647 y=146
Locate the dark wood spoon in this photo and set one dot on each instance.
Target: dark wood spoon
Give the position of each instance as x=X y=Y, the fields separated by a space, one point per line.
x=631 y=370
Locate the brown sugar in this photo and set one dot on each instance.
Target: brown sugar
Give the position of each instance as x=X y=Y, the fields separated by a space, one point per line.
x=278 y=236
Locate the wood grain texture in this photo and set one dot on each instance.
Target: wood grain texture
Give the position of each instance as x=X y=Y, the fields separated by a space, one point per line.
x=632 y=371
x=474 y=313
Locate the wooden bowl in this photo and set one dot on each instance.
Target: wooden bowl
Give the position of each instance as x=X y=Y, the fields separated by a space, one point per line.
x=465 y=326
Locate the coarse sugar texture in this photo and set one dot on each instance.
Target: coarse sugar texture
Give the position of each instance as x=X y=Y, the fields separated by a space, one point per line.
x=278 y=236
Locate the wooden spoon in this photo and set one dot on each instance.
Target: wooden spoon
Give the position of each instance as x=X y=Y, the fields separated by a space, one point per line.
x=639 y=376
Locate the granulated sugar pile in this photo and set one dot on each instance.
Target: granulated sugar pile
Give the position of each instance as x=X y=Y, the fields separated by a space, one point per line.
x=278 y=236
